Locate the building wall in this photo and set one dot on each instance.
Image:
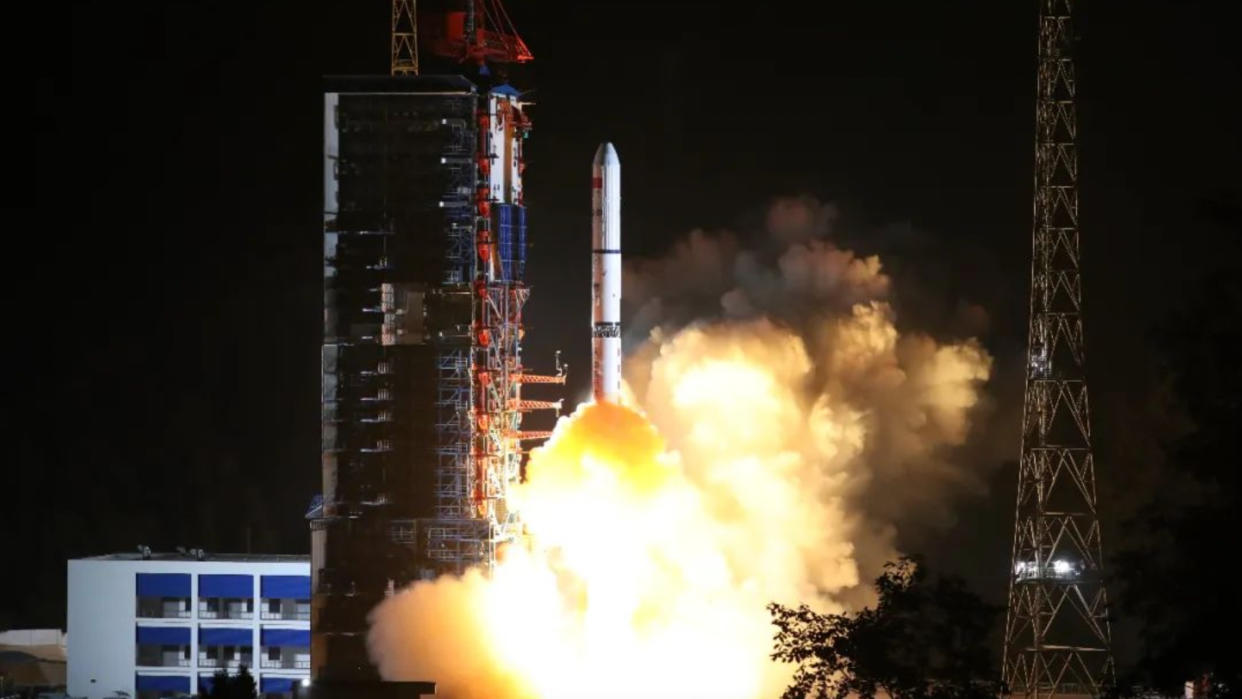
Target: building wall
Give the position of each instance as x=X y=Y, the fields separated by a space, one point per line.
x=103 y=620
x=400 y=191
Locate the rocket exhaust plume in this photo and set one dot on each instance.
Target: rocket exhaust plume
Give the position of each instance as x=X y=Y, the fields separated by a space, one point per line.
x=606 y=275
x=783 y=428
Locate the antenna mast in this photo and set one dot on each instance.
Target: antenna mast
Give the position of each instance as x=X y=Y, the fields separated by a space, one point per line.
x=1057 y=637
x=404 y=38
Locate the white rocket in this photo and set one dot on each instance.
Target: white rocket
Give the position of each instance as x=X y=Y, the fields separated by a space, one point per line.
x=606 y=275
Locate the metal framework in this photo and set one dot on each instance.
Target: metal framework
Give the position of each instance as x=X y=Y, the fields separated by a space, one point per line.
x=453 y=536
x=478 y=31
x=479 y=400
x=404 y=50
x=1057 y=636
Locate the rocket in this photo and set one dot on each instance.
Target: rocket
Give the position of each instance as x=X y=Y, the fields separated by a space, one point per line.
x=606 y=275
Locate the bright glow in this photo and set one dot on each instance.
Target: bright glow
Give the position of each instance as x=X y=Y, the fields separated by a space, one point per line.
x=305 y=681
x=622 y=571
x=654 y=563
x=770 y=455
x=1061 y=567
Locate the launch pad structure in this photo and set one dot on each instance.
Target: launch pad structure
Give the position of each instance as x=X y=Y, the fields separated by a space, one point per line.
x=425 y=238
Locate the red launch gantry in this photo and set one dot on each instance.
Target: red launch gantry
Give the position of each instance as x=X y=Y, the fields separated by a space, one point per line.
x=478 y=31
x=481 y=443
x=475 y=30
x=482 y=32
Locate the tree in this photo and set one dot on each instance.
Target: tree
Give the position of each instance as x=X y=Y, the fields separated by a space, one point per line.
x=239 y=686
x=926 y=638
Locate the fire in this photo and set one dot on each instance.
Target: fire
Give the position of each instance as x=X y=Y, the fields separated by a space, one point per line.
x=648 y=565
x=622 y=590
x=753 y=461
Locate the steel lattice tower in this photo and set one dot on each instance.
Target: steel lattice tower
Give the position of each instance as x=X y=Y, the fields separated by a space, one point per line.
x=1057 y=637
x=404 y=45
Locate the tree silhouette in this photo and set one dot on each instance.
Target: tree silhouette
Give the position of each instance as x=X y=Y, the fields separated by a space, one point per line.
x=239 y=686
x=926 y=638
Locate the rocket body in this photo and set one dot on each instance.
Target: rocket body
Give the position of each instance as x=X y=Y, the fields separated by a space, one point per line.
x=606 y=275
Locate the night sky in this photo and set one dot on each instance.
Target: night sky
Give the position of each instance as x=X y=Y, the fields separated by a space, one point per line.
x=165 y=262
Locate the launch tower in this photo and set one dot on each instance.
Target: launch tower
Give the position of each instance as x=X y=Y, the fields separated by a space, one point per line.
x=424 y=287
x=1057 y=638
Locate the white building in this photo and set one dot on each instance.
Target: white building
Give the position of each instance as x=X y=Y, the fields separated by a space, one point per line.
x=161 y=625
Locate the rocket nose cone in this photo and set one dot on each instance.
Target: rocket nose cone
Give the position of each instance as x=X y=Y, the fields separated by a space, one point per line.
x=606 y=155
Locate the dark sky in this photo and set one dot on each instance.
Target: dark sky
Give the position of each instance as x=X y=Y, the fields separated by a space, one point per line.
x=165 y=265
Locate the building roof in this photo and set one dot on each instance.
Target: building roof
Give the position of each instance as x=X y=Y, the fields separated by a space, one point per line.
x=189 y=557
x=33 y=637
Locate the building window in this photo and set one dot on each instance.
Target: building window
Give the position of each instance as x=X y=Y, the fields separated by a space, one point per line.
x=286 y=610
x=162 y=596
x=155 y=686
x=286 y=649
x=226 y=596
x=225 y=647
x=162 y=646
x=285 y=597
x=225 y=608
x=148 y=655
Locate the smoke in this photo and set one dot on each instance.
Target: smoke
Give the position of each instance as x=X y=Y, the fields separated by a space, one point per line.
x=908 y=399
x=780 y=428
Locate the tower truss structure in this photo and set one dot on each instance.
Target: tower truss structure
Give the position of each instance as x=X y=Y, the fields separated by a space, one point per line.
x=1057 y=635
x=424 y=290
x=479 y=404
x=404 y=44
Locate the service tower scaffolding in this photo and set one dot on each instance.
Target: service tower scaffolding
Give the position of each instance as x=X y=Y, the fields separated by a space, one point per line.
x=1057 y=638
x=424 y=287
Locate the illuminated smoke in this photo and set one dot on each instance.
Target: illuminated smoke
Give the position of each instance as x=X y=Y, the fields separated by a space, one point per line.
x=780 y=430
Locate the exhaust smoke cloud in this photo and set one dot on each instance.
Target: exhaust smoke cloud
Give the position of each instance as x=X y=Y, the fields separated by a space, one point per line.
x=779 y=427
